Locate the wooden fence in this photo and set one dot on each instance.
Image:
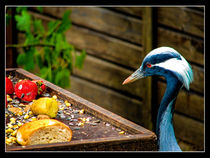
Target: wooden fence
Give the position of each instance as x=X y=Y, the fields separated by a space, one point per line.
x=116 y=40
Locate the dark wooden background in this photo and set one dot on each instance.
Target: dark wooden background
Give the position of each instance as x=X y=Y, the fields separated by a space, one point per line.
x=116 y=40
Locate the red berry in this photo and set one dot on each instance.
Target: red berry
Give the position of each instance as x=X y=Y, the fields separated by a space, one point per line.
x=26 y=90
x=40 y=85
x=9 y=86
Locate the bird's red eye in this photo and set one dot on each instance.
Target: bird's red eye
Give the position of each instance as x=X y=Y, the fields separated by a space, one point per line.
x=149 y=65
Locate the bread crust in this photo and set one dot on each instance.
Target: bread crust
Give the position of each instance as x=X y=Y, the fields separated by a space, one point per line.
x=25 y=132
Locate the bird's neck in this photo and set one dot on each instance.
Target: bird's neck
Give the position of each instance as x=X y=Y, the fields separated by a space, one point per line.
x=164 y=129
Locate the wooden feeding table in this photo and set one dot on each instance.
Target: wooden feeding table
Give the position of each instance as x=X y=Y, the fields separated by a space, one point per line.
x=105 y=132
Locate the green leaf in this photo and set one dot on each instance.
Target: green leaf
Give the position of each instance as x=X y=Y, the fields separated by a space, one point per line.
x=67 y=55
x=59 y=42
x=38 y=59
x=40 y=9
x=44 y=72
x=29 y=39
x=66 y=23
x=21 y=59
x=23 y=21
x=62 y=78
x=50 y=74
x=29 y=59
x=47 y=55
x=20 y=9
x=80 y=59
x=38 y=27
x=55 y=62
x=52 y=25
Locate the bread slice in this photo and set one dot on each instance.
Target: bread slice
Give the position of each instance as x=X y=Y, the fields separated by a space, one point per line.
x=43 y=131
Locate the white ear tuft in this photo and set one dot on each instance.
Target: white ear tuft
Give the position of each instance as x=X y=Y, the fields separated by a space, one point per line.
x=181 y=69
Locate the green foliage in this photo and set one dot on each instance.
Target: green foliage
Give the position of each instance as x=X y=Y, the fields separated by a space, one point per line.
x=48 y=48
x=23 y=21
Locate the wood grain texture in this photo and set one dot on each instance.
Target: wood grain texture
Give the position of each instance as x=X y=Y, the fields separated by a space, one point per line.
x=110 y=75
x=189 y=130
x=106 y=47
x=133 y=11
x=118 y=51
x=147 y=47
x=183 y=19
x=189 y=20
x=101 y=45
x=198 y=83
x=102 y=20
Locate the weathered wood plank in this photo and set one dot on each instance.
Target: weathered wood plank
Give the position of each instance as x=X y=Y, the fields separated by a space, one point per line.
x=147 y=47
x=182 y=18
x=127 y=107
x=101 y=45
x=102 y=20
x=136 y=11
x=110 y=75
x=198 y=83
x=188 y=146
x=106 y=47
x=190 y=21
x=192 y=49
x=187 y=102
x=189 y=130
x=119 y=51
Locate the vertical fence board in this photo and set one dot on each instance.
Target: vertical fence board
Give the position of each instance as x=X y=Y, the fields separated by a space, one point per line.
x=147 y=46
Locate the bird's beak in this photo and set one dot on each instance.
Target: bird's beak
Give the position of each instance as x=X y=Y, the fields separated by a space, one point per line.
x=134 y=76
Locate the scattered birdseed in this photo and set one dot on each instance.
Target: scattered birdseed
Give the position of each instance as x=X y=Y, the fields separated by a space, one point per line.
x=92 y=123
x=81 y=111
x=62 y=116
x=96 y=121
x=80 y=124
x=61 y=108
x=107 y=124
x=46 y=95
x=68 y=119
x=22 y=105
x=76 y=111
x=122 y=132
x=26 y=116
x=75 y=128
x=9 y=99
x=71 y=124
x=54 y=96
x=12 y=120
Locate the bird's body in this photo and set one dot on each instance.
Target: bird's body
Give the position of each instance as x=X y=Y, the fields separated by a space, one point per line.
x=166 y=62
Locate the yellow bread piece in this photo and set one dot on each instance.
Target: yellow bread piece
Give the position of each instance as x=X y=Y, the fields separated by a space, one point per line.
x=42 y=132
x=45 y=106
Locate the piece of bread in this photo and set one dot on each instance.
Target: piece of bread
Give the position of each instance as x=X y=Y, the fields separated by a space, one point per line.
x=43 y=131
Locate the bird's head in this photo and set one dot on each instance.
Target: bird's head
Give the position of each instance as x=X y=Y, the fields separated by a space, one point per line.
x=164 y=61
